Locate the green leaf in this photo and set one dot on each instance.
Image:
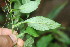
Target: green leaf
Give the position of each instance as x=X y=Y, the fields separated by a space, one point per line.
x=25 y=1
x=54 y=45
x=56 y=10
x=31 y=31
x=17 y=13
x=16 y=6
x=41 y=23
x=62 y=37
x=29 y=7
x=38 y=1
x=29 y=42
x=44 y=41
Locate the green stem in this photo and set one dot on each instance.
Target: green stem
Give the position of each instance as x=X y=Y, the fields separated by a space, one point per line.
x=12 y=10
x=22 y=34
x=17 y=24
x=11 y=15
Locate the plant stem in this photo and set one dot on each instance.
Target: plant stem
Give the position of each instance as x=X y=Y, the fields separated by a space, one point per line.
x=11 y=15
x=22 y=34
x=17 y=24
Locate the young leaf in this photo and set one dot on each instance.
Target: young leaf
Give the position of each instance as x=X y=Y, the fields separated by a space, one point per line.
x=16 y=6
x=29 y=42
x=44 y=41
x=41 y=23
x=29 y=7
x=31 y=31
x=16 y=11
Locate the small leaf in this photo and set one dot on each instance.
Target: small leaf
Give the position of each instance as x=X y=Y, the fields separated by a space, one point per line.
x=41 y=23
x=29 y=42
x=44 y=41
x=31 y=31
x=16 y=6
x=29 y=7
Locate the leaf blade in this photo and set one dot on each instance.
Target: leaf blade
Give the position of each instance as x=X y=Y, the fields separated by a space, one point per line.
x=44 y=41
x=41 y=23
x=31 y=31
x=29 y=42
